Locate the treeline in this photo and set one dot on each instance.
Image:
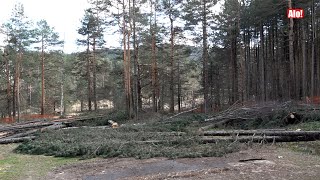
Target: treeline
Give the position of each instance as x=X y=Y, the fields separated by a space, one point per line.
x=174 y=54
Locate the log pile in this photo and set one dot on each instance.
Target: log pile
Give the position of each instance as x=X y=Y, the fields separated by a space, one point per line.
x=245 y=136
x=260 y=136
x=24 y=131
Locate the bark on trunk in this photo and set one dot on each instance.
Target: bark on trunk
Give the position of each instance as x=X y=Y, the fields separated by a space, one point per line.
x=205 y=56
x=42 y=78
x=8 y=82
x=135 y=64
x=89 y=75
x=261 y=132
x=16 y=140
x=171 y=65
x=94 y=62
x=291 y=57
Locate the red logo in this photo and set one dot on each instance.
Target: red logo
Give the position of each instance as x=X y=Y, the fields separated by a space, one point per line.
x=295 y=13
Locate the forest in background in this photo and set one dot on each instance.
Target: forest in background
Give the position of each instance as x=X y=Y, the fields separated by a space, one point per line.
x=248 y=52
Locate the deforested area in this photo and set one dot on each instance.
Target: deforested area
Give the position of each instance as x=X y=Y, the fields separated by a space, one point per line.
x=142 y=89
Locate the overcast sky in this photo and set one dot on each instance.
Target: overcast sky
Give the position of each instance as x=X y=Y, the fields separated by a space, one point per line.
x=63 y=15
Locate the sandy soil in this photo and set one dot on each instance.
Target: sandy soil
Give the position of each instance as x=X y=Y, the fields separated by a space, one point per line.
x=272 y=163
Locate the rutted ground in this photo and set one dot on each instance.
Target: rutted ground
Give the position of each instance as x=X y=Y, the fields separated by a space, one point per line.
x=277 y=163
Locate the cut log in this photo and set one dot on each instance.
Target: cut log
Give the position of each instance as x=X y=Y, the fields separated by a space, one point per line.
x=91 y=127
x=293 y=118
x=113 y=124
x=254 y=139
x=25 y=126
x=259 y=132
x=259 y=139
x=16 y=140
x=251 y=159
x=22 y=134
x=41 y=123
x=53 y=127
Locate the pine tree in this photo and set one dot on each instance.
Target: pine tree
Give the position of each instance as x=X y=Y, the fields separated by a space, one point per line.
x=19 y=35
x=199 y=12
x=46 y=37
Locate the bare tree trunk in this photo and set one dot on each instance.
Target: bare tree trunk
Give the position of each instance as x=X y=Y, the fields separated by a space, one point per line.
x=171 y=65
x=89 y=75
x=304 y=62
x=179 y=87
x=274 y=64
x=313 y=50
x=135 y=65
x=62 y=89
x=14 y=92
x=126 y=63
x=234 y=68
x=291 y=56
x=129 y=74
x=154 y=70
x=8 y=82
x=298 y=64
x=246 y=40
x=139 y=81
x=42 y=78
x=205 y=56
x=81 y=105
x=262 y=66
x=18 y=85
x=94 y=62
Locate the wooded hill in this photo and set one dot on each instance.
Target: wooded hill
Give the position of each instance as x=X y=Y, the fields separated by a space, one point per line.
x=249 y=51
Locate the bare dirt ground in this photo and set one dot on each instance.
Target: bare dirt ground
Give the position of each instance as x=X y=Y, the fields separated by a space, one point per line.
x=274 y=163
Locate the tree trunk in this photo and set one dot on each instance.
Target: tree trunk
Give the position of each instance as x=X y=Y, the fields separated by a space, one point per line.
x=16 y=140
x=171 y=65
x=179 y=87
x=205 y=56
x=8 y=82
x=94 y=64
x=126 y=63
x=304 y=61
x=89 y=74
x=291 y=57
x=42 y=78
x=261 y=132
x=298 y=64
x=246 y=39
x=312 y=89
x=234 y=91
x=262 y=66
x=81 y=105
x=129 y=74
x=14 y=92
x=154 y=70
x=18 y=85
x=135 y=65
x=62 y=89
x=139 y=81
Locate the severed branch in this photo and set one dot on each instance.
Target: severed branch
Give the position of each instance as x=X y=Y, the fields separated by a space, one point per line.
x=180 y=113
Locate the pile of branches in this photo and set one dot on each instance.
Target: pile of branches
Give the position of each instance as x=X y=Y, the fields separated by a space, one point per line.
x=267 y=109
